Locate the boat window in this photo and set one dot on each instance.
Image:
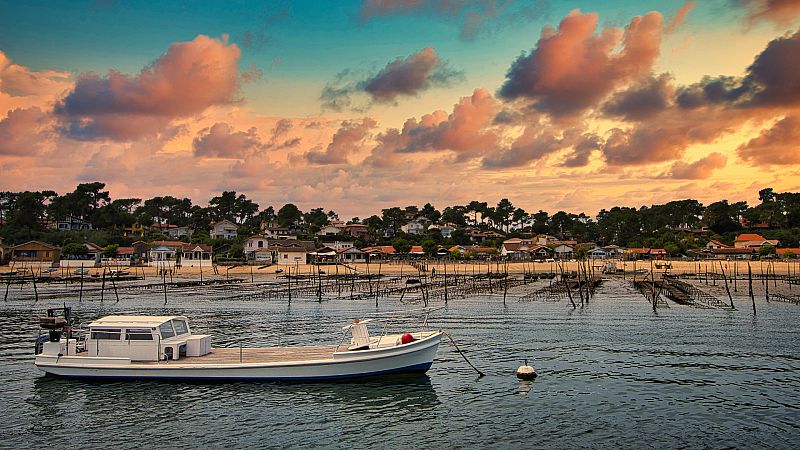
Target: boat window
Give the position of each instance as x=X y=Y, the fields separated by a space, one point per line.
x=106 y=333
x=166 y=330
x=180 y=327
x=138 y=334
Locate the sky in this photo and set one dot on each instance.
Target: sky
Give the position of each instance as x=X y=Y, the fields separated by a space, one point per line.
x=357 y=106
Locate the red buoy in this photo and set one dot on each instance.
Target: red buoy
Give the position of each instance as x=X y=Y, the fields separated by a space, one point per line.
x=407 y=338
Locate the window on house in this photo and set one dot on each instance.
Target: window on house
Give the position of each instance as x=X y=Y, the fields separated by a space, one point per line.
x=260 y=244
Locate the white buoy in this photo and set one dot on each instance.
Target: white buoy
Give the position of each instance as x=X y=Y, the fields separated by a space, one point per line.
x=526 y=372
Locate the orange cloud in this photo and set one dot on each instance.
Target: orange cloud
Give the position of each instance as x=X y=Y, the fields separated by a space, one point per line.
x=778 y=145
x=187 y=79
x=571 y=69
x=698 y=170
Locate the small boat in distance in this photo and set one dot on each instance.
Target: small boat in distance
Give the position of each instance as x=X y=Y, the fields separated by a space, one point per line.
x=164 y=347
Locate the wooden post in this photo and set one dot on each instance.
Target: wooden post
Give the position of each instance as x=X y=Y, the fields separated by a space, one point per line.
x=505 y=283
x=33 y=279
x=564 y=280
x=103 y=286
x=164 y=283
x=289 y=279
x=750 y=284
x=727 y=289
x=445 y=282
x=114 y=285
x=653 y=283
x=80 y=294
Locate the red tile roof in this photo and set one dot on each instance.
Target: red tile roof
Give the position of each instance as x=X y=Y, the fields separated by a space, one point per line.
x=750 y=237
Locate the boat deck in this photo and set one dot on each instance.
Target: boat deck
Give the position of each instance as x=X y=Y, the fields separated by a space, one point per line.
x=254 y=355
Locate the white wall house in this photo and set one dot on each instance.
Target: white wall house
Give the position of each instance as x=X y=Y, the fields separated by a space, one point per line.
x=224 y=229
x=291 y=255
x=414 y=228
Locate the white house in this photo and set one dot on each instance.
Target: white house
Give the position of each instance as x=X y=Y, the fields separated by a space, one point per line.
x=414 y=227
x=253 y=244
x=200 y=253
x=351 y=255
x=329 y=230
x=291 y=255
x=564 y=251
x=447 y=231
x=179 y=232
x=339 y=245
x=224 y=229
x=278 y=233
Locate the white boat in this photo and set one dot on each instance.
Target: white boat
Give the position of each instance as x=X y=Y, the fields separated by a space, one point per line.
x=164 y=347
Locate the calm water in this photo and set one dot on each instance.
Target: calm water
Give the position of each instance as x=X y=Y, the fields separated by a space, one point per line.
x=612 y=374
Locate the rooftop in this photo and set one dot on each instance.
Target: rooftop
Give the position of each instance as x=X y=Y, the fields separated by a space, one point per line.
x=133 y=321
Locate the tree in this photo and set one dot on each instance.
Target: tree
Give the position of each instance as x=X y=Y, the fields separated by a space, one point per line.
x=722 y=217
x=74 y=249
x=459 y=237
x=430 y=213
x=289 y=215
x=393 y=218
x=316 y=219
x=766 y=250
x=401 y=245
x=110 y=251
x=503 y=213
x=430 y=246
x=455 y=215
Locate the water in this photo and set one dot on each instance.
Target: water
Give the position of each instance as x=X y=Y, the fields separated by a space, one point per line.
x=612 y=374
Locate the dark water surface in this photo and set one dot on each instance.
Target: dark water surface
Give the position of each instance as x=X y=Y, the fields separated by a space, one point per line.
x=612 y=374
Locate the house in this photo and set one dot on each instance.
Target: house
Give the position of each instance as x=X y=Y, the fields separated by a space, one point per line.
x=614 y=251
x=515 y=249
x=324 y=255
x=414 y=227
x=447 y=231
x=351 y=255
x=482 y=252
x=180 y=232
x=35 y=251
x=645 y=253
x=564 y=251
x=712 y=244
x=135 y=229
x=329 y=230
x=162 y=227
x=540 y=252
x=195 y=253
x=782 y=252
x=291 y=255
x=161 y=251
x=3 y=251
x=254 y=243
x=599 y=253
x=658 y=253
x=70 y=223
x=545 y=239
x=141 y=250
x=416 y=250
x=356 y=230
x=93 y=251
x=224 y=229
x=276 y=243
x=124 y=253
x=380 y=251
x=458 y=248
x=338 y=245
x=278 y=233
x=751 y=240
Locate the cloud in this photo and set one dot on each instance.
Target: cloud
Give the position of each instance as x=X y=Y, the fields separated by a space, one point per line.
x=541 y=139
x=18 y=81
x=467 y=132
x=642 y=100
x=221 y=141
x=187 y=79
x=778 y=145
x=573 y=68
x=773 y=80
x=680 y=17
x=699 y=170
x=24 y=132
x=347 y=140
x=402 y=77
x=780 y=12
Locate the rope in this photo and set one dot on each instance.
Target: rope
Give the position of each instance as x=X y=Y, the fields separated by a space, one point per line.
x=480 y=374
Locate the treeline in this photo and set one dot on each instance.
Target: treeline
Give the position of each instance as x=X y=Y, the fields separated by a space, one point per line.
x=676 y=226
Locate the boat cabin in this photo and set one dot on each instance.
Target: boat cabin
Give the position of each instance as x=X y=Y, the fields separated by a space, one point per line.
x=145 y=338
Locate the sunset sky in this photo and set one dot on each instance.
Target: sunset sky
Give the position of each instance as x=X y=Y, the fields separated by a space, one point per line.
x=361 y=105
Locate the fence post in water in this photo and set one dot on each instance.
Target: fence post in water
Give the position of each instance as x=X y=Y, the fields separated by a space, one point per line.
x=727 y=289
x=164 y=283
x=653 y=282
x=114 y=285
x=289 y=279
x=445 y=282
x=33 y=279
x=564 y=280
x=750 y=284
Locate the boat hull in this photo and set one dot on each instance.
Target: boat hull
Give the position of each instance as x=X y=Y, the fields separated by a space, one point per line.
x=416 y=357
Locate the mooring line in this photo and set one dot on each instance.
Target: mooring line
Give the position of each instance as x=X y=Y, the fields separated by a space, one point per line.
x=480 y=374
